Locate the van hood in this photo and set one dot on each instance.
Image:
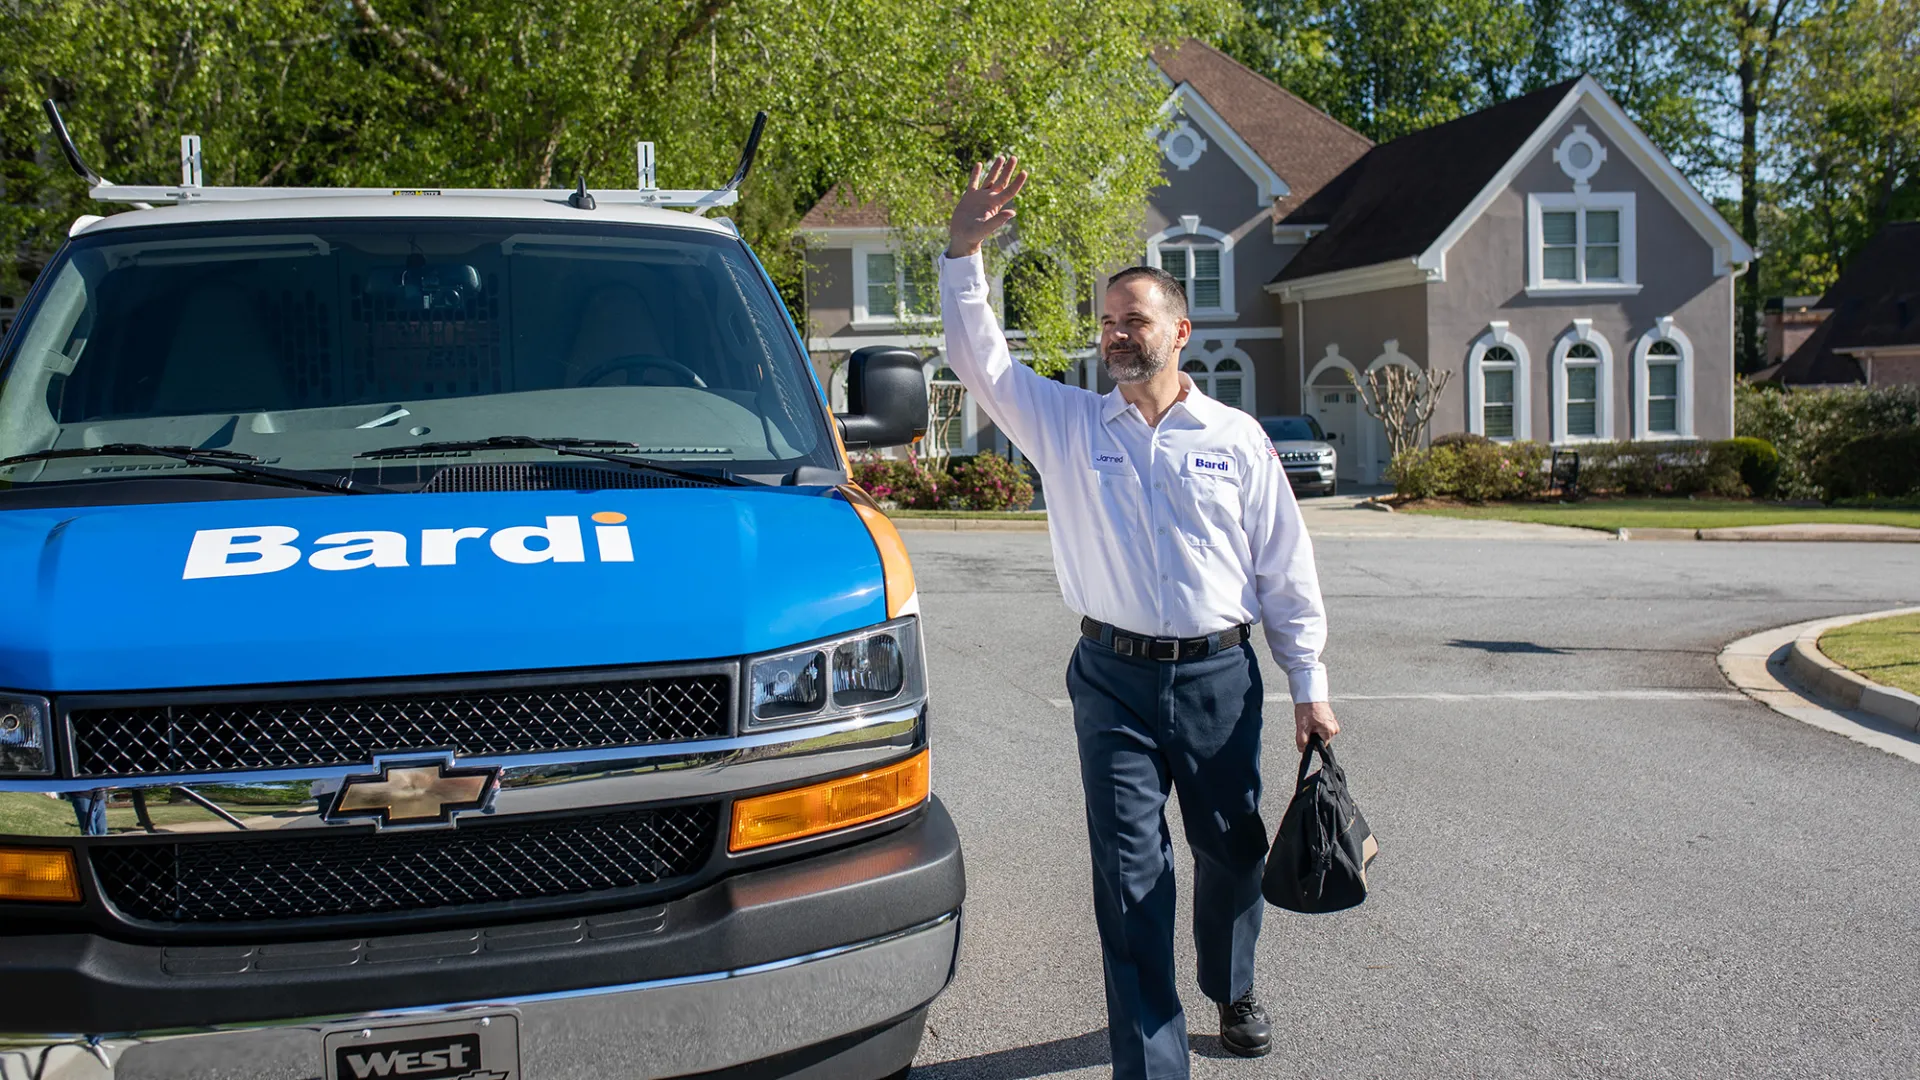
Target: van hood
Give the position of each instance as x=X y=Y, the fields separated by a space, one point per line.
x=332 y=587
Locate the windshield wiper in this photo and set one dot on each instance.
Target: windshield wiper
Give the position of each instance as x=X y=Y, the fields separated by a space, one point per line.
x=233 y=460
x=562 y=445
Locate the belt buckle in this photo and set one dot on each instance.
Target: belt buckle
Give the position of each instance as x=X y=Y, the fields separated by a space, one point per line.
x=1171 y=646
x=1123 y=645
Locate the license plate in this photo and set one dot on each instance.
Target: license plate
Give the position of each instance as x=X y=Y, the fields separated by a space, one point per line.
x=483 y=1047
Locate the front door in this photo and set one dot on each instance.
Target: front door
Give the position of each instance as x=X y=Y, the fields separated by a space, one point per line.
x=1340 y=416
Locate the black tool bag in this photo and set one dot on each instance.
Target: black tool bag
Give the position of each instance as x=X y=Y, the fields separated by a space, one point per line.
x=1320 y=855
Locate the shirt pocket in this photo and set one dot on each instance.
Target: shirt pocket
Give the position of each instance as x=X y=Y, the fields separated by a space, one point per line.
x=1209 y=509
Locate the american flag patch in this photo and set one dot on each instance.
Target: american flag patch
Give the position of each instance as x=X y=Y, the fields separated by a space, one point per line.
x=1271 y=452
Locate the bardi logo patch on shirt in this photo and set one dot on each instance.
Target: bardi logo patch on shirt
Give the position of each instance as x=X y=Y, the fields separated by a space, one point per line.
x=1202 y=463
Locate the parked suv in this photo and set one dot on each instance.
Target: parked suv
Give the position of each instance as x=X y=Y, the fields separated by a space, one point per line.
x=1304 y=451
x=443 y=642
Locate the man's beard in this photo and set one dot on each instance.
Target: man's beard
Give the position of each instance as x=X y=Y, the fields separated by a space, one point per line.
x=1136 y=364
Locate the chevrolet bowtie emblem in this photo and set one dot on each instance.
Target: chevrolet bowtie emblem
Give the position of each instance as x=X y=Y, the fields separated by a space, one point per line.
x=414 y=793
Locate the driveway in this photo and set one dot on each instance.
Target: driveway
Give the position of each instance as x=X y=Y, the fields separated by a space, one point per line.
x=1597 y=860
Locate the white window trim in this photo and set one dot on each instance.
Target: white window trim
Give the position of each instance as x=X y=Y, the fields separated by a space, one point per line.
x=1663 y=330
x=864 y=319
x=1225 y=350
x=1499 y=334
x=1622 y=201
x=969 y=423
x=1583 y=331
x=1189 y=227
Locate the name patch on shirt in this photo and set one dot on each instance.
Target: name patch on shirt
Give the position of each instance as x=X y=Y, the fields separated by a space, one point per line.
x=1201 y=463
x=1107 y=459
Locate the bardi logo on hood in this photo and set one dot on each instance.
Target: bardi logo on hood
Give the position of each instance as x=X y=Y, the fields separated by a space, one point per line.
x=269 y=549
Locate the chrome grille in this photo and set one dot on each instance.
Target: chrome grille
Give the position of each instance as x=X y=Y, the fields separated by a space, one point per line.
x=522 y=476
x=140 y=739
x=1293 y=457
x=367 y=873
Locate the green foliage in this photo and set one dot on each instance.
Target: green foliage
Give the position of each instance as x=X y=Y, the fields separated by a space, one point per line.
x=1849 y=130
x=1809 y=427
x=1472 y=471
x=1459 y=438
x=986 y=482
x=1758 y=462
x=893 y=98
x=904 y=482
x=1879 y=465
x=991 y=482
x=1661 y=468
x=1389 y=67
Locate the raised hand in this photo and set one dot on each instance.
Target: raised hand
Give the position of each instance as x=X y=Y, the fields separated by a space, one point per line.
x=982 y=209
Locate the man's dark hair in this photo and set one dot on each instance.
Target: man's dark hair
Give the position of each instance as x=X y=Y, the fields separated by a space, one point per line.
x=1172 y=293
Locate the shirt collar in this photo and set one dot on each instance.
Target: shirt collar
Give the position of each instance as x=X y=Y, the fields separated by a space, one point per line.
x=1196 y=404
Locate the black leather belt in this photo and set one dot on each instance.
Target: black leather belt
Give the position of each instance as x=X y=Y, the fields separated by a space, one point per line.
x=1148 y=648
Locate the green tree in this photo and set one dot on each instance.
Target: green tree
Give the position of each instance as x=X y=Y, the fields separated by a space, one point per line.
x=1850 y=128
x=1388 y=67
x=892 y=98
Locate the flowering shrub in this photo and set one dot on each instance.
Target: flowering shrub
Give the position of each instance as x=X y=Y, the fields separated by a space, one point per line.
x=1474 y=471
x=991 y=482
x=904 y=482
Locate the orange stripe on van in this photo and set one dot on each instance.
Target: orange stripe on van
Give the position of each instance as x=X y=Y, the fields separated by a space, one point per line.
x=894 y=564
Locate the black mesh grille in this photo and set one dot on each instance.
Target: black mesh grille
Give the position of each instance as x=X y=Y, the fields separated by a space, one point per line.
x=518 y=476
x=137 y=739
x=365 y=873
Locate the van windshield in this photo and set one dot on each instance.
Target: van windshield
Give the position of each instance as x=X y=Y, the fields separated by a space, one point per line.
x=310 y=344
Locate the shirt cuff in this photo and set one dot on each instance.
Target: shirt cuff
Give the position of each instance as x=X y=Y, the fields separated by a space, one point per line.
x=1308 y=684
x=963 y=275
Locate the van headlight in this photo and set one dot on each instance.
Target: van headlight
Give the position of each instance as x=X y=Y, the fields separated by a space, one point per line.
x=26 y=744
x=876 y=667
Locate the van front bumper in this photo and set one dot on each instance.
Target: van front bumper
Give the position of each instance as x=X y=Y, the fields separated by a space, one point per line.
x=819 y=953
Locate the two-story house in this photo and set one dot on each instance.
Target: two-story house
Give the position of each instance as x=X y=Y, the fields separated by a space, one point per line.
x=1543 y=250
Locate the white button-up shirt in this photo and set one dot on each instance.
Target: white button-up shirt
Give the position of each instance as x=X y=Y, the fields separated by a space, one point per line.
x=1178 y=529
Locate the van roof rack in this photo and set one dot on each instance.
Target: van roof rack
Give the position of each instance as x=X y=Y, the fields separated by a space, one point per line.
x=190 y=189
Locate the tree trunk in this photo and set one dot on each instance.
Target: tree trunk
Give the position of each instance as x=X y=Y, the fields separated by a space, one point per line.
x=1748 y=332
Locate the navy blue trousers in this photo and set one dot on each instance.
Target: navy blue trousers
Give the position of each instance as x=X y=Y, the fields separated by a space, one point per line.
x=1147 y=727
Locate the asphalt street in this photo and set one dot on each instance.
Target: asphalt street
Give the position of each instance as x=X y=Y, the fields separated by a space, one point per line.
x=1596 y=859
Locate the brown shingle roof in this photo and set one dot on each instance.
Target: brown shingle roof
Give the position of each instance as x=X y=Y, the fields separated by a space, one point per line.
x=1305 y=146
x=838 y=210
x=1874 y=304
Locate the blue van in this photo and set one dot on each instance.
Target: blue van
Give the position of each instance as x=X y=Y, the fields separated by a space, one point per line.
x=443 y=641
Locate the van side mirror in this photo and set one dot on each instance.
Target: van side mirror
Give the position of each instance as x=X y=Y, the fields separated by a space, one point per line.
x=886 y=398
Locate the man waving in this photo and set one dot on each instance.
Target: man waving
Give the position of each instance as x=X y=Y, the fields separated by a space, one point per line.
x=1174 y=529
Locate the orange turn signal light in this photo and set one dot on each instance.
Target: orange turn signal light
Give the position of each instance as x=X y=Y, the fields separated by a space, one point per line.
x=38 y=874
x=835 y=804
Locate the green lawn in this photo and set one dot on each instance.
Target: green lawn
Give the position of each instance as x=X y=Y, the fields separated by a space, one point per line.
x=1884 y=650
x=1674 y=514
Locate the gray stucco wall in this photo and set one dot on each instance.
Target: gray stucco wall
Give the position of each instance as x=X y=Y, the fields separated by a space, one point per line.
x=829 y=290
x=1363 y=323
x=1487 y=278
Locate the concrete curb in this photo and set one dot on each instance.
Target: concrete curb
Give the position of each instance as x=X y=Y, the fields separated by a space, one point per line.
x=1816 y=672
x=1756 y=665
x=1816 y=532
x=967 y=525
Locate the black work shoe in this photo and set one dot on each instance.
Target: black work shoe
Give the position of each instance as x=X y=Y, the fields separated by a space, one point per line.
x=1244 y=1029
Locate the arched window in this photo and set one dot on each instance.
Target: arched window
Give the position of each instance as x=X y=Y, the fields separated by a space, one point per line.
x=1583 y=391
x=1498 y=398
x=1201 y=259
x=1497 y=369
x=947 y=406
x=1225 y=375
x=1663 y=383
x=1582 y=384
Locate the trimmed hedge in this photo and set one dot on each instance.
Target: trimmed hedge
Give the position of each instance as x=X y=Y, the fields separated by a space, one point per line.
x=1478 y=471
x=1759 y=464
x=1810 y=427
x=1472 y=471
x=1882 y=465
x=1661 y=468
